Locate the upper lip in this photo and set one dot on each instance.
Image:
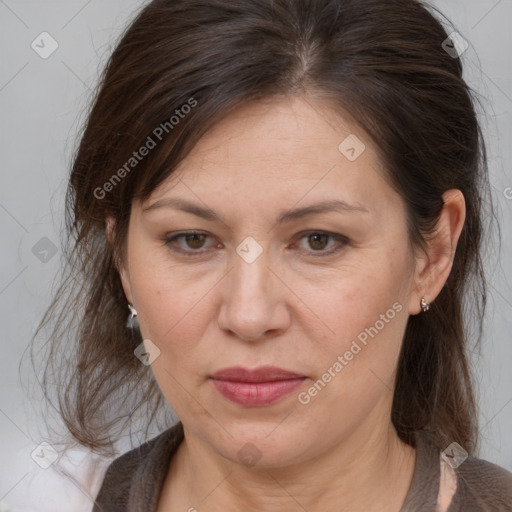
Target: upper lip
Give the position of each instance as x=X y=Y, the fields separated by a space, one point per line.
x=261 y=374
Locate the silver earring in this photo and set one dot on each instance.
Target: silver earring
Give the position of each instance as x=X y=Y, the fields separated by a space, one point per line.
x=425 y=306
x=132 y=321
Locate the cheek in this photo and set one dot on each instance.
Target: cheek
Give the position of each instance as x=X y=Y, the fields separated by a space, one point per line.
x=366 y=310
x=354 y=299
x=174 y=305
x=172 y=309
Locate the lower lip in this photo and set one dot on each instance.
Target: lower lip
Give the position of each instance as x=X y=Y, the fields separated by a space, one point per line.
x=256 y=393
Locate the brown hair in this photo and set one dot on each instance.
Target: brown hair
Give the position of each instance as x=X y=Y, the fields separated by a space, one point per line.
x=380 y=61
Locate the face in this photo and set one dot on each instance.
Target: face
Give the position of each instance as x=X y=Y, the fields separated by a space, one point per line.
x=323 y=294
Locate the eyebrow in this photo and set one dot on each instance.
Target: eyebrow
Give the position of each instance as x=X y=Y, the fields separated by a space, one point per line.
x=284 y=216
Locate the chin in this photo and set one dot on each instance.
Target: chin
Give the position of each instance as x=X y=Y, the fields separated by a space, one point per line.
x=266 y=445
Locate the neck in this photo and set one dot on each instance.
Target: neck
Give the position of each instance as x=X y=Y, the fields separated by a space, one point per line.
x=372 y=466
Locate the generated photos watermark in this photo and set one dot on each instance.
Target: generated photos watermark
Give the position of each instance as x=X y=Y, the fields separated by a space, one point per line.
x=151 y=142
x=305 y=397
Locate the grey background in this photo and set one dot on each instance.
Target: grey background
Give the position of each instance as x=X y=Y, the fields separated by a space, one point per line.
x=43 y=102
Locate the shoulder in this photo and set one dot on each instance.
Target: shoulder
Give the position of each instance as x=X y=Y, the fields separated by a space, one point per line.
x=467 y=485
x=483 y=486
x=126 y=477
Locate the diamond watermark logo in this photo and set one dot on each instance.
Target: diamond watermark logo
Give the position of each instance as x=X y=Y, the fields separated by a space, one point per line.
x=455 y=45
x=351 y=147
x=249 y=454
x=454 y=455
x=249 y=250
x=44 y=455
x=44 y=45
x=44 y=250
x=147 y=352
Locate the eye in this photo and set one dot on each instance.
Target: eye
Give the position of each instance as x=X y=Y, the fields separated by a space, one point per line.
x=194 y=241
x=317 y=240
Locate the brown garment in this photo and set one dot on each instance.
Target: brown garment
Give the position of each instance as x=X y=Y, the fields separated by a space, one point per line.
x=133 y=481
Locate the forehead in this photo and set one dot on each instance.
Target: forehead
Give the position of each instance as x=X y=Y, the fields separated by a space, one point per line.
x=275 y=134
x=279 y=151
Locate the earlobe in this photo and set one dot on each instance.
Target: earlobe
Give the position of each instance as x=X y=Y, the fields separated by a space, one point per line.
x=435 y=267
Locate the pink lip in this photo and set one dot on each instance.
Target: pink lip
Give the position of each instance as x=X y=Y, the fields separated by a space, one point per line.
x=261 y=386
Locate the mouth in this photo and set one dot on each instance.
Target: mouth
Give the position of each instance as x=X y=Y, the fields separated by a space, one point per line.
x=259 y=387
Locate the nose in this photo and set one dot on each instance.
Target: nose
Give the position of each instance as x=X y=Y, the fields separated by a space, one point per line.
x=254 y=304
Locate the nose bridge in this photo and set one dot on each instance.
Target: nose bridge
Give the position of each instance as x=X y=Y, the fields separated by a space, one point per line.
x=250 y=278
x=249 y=303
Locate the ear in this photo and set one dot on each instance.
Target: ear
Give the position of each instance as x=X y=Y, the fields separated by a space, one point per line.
x=434 y=267
x=121 y=267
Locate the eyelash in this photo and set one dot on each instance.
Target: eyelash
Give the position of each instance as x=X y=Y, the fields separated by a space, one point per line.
x=342 y=241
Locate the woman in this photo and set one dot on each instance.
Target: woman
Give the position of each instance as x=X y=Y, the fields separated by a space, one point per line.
x=287 y=199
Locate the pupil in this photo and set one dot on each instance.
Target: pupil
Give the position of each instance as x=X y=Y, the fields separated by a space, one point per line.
x=316 y=236
x=196 y=240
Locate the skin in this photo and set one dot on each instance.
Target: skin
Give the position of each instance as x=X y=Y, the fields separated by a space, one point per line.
x=290 y=308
